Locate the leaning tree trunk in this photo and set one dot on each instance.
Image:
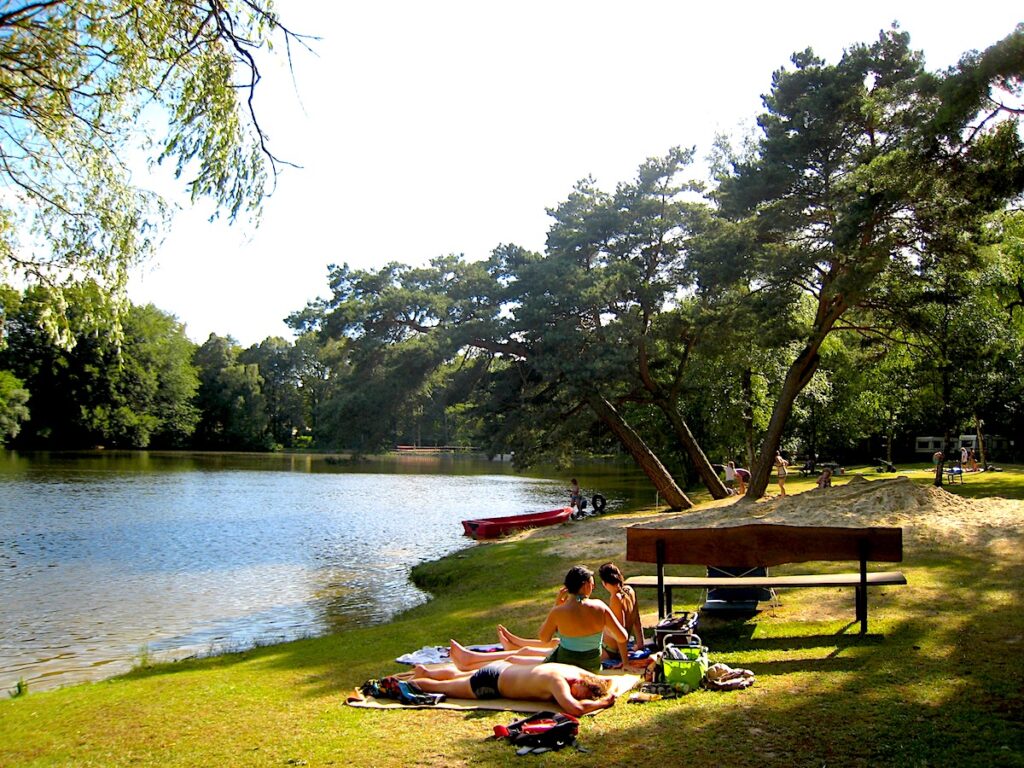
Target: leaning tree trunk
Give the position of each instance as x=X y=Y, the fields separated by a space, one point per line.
x=700 y=461
x=747 y=415
x=830 y=309
x=637 y=448
x=799 y=374
x=668 y=407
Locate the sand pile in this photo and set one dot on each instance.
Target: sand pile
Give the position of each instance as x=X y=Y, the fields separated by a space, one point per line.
x=930 y=517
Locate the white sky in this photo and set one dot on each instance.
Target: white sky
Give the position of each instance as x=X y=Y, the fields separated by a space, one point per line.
x=426 y=128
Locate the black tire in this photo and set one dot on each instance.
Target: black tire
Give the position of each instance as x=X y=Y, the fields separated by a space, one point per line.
x=598 y=503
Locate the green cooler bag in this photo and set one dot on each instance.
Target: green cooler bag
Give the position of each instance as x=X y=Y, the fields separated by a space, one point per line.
x=685 y=664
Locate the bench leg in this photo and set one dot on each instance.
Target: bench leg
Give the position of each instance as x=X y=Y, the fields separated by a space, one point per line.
x=862 y=590
x=862 y=609
x=659 y=548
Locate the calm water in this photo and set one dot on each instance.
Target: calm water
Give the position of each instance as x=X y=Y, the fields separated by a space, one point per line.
x=108 y=556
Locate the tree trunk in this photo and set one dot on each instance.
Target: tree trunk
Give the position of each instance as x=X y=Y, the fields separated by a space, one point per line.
x=800 y=372
x=830 y=309
x=667 y=404
x=747 y=385
x=947 y=417
x=890 y=436
x=700 y=461
x=981 y=443
x=637 y=448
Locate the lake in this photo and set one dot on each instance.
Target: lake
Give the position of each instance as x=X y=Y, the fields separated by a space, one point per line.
x=107 y=558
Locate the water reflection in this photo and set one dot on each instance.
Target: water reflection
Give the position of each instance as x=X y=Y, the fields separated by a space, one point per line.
x=104 y=554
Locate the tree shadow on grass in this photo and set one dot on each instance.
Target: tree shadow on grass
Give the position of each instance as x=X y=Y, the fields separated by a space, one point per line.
x=938 y=683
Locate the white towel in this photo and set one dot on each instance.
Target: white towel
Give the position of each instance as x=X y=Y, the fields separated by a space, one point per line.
x=428 y=654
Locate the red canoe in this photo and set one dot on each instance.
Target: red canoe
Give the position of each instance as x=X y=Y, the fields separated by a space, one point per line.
x=491 y=527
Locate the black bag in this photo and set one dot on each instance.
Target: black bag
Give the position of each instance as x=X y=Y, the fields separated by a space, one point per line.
x=403 y=691
x=683 y=622
x=542 y=730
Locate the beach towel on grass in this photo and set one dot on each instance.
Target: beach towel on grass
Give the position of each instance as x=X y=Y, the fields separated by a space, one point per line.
x=438 y=654
x=622 y=683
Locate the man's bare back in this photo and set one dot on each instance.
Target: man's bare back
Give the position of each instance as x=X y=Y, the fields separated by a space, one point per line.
x=568 y=686
x=537 y=682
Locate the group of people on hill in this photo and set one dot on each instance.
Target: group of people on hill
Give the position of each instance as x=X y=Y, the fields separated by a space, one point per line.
x=561 y=663
x=737 y=476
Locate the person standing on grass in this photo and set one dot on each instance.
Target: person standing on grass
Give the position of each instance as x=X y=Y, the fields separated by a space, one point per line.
x=730 y=475
x=780 y=465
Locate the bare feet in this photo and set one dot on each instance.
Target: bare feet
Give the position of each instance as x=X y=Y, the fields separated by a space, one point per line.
x=458 y=654
x=508 y=641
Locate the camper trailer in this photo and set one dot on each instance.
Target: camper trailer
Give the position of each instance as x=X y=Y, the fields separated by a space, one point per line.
x=996 y=446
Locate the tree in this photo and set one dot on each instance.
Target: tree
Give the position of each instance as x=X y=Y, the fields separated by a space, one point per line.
x=13 y=405
x=862 y=167
x=74 y=376
x=542 y=316
x=624 y=260
x=318 y=367
x=277 y=361
x=82 y=85
x=230 y=400
x=157 y=376
x=100 y=387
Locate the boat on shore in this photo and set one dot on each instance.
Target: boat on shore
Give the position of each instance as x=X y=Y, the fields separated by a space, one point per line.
x=492 y=527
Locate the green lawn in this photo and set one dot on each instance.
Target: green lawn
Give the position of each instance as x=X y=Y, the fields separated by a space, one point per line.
x=937 y=682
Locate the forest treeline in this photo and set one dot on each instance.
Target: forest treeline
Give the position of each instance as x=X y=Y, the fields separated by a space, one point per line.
x=850 y=276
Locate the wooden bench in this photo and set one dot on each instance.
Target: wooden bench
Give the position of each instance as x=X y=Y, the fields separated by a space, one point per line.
x=764 y=545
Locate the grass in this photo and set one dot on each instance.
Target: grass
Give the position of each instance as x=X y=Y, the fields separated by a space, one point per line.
x=937 y=682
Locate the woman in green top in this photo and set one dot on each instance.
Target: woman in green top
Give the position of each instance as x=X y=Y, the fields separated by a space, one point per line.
x=571 y=633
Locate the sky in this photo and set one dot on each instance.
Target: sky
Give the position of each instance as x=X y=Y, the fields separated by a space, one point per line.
x=450 y=126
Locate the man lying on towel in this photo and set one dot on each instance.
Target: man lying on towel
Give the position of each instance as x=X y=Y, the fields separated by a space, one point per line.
x=576 y=691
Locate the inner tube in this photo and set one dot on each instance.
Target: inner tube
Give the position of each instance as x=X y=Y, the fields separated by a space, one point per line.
x=598 y=503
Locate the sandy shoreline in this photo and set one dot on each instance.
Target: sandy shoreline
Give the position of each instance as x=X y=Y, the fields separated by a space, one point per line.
x=931 y=518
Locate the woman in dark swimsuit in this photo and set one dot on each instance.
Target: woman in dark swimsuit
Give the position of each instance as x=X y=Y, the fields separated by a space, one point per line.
x=624 y=606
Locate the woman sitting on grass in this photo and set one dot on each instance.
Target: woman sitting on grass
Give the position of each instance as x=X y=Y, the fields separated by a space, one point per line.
x=624 y=606
x=571 y=633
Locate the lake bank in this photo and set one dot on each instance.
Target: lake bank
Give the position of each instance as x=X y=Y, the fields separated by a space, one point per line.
x=111 y=558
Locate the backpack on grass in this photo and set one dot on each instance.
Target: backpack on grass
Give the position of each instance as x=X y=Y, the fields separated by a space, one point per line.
x=541 y=731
